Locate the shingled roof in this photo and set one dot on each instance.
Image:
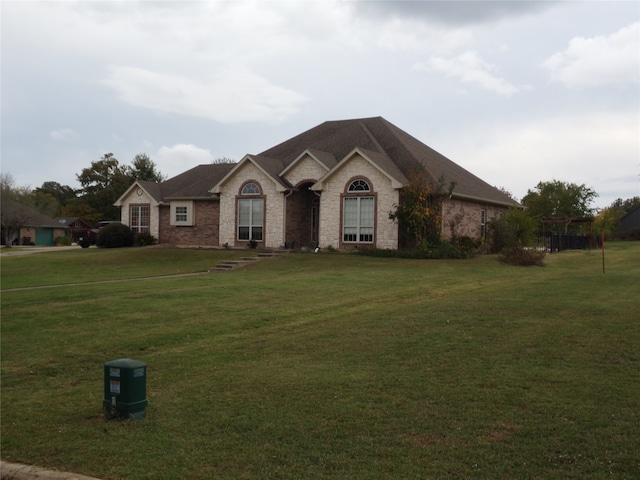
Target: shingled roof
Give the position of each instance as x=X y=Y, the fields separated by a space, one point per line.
x=398 y=153
x=194 y=183
x=393 y=150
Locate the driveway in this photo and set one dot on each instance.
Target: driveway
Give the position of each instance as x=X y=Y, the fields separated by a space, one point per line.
x=25 y=250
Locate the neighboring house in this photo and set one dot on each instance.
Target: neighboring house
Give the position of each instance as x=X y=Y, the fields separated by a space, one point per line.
x=35 y=228
x=77 y=227
x=331 y=186
x=630 y=221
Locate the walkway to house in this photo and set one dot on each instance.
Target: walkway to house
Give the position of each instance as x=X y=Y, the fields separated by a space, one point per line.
x=231 y=264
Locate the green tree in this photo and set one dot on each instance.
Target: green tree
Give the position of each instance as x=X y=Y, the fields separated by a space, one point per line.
x=142 y=168
x=419 y=211
x=12 y=213
x=52 y=198
x=102 y=184
x=559 y=200
x=223 y=160
x=515 y=229
x=608 y=219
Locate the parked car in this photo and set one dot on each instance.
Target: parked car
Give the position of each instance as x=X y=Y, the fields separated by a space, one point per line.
x=90 y=237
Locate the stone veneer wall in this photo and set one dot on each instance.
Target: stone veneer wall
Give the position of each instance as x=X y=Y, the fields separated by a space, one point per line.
x=306 y=169
x=204 y=231
x=386 y=231
x=274 y=208
x=465 y=218
x=144 y=199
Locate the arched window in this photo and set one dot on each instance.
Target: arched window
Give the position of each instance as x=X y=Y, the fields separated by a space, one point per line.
x=250 y=189
x=358 y=212
x=358 y=185
x=250 y=214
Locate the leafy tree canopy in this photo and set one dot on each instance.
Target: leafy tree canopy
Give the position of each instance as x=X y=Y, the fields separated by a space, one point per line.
x=12 y=214
x=419 y=212
x=608 y=219
x=106 y=180
x=559 y=199
x=142 y=168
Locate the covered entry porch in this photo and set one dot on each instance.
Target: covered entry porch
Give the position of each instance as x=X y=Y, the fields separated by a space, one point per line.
x=302 y=217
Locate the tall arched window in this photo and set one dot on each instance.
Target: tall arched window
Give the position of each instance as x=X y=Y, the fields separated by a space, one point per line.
x=251 y=213
x=358 y=219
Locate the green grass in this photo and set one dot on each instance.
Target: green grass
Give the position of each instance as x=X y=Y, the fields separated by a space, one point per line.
x=327 y=366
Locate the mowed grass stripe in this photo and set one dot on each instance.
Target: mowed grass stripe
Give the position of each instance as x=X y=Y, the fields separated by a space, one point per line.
x=337 y=366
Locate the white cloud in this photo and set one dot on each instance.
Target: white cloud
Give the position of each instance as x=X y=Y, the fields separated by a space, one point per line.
x=600 y=150
x=600 y=60
x=238 y=96
x=174 y=160
x=62 y=134
x=470 y=69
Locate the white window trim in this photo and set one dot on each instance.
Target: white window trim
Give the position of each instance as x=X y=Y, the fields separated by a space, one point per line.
x=358 y=223
x=251 y=222
x=186 y=223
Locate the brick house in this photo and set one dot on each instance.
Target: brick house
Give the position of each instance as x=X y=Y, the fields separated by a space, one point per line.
x=331 y=186
x=33 y=227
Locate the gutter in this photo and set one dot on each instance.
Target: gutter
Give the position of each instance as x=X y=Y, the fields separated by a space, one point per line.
x=462 y=196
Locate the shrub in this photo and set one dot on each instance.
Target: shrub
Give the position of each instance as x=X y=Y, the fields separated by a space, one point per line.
x=439 y=250
x=522 y=257
x=515 y=228
x=63 y=241
x=631 y=235
x=467 y=244
x=115 y=235
x=143 y=239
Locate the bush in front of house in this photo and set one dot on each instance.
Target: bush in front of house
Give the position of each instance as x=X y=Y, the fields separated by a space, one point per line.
x=115 y=235
x=461 y=247
x=63 y=241
x=515 y=228
x=522 y=257
x=143 y=239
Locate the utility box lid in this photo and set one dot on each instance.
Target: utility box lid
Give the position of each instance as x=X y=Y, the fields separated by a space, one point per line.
x=126 y=363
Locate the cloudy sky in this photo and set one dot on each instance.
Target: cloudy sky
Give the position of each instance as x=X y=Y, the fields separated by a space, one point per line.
x=516 y=92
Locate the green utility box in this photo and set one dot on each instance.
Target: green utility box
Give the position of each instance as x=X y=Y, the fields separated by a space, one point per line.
x=125 y=389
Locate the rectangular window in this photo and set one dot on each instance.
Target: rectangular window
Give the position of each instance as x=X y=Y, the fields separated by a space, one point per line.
x=483 y=223
x=358 y=219
x=250 y=219
x=182 y=213
x=139 y=218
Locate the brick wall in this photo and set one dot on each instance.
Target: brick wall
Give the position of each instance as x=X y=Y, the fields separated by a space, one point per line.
x=204 y=231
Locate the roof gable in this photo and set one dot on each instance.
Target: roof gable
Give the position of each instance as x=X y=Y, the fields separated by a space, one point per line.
x=379 y=161
x=325 y=159
x=192 y=184
x=268 y=166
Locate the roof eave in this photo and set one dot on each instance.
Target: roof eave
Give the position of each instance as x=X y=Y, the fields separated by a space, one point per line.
x=475 y=198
